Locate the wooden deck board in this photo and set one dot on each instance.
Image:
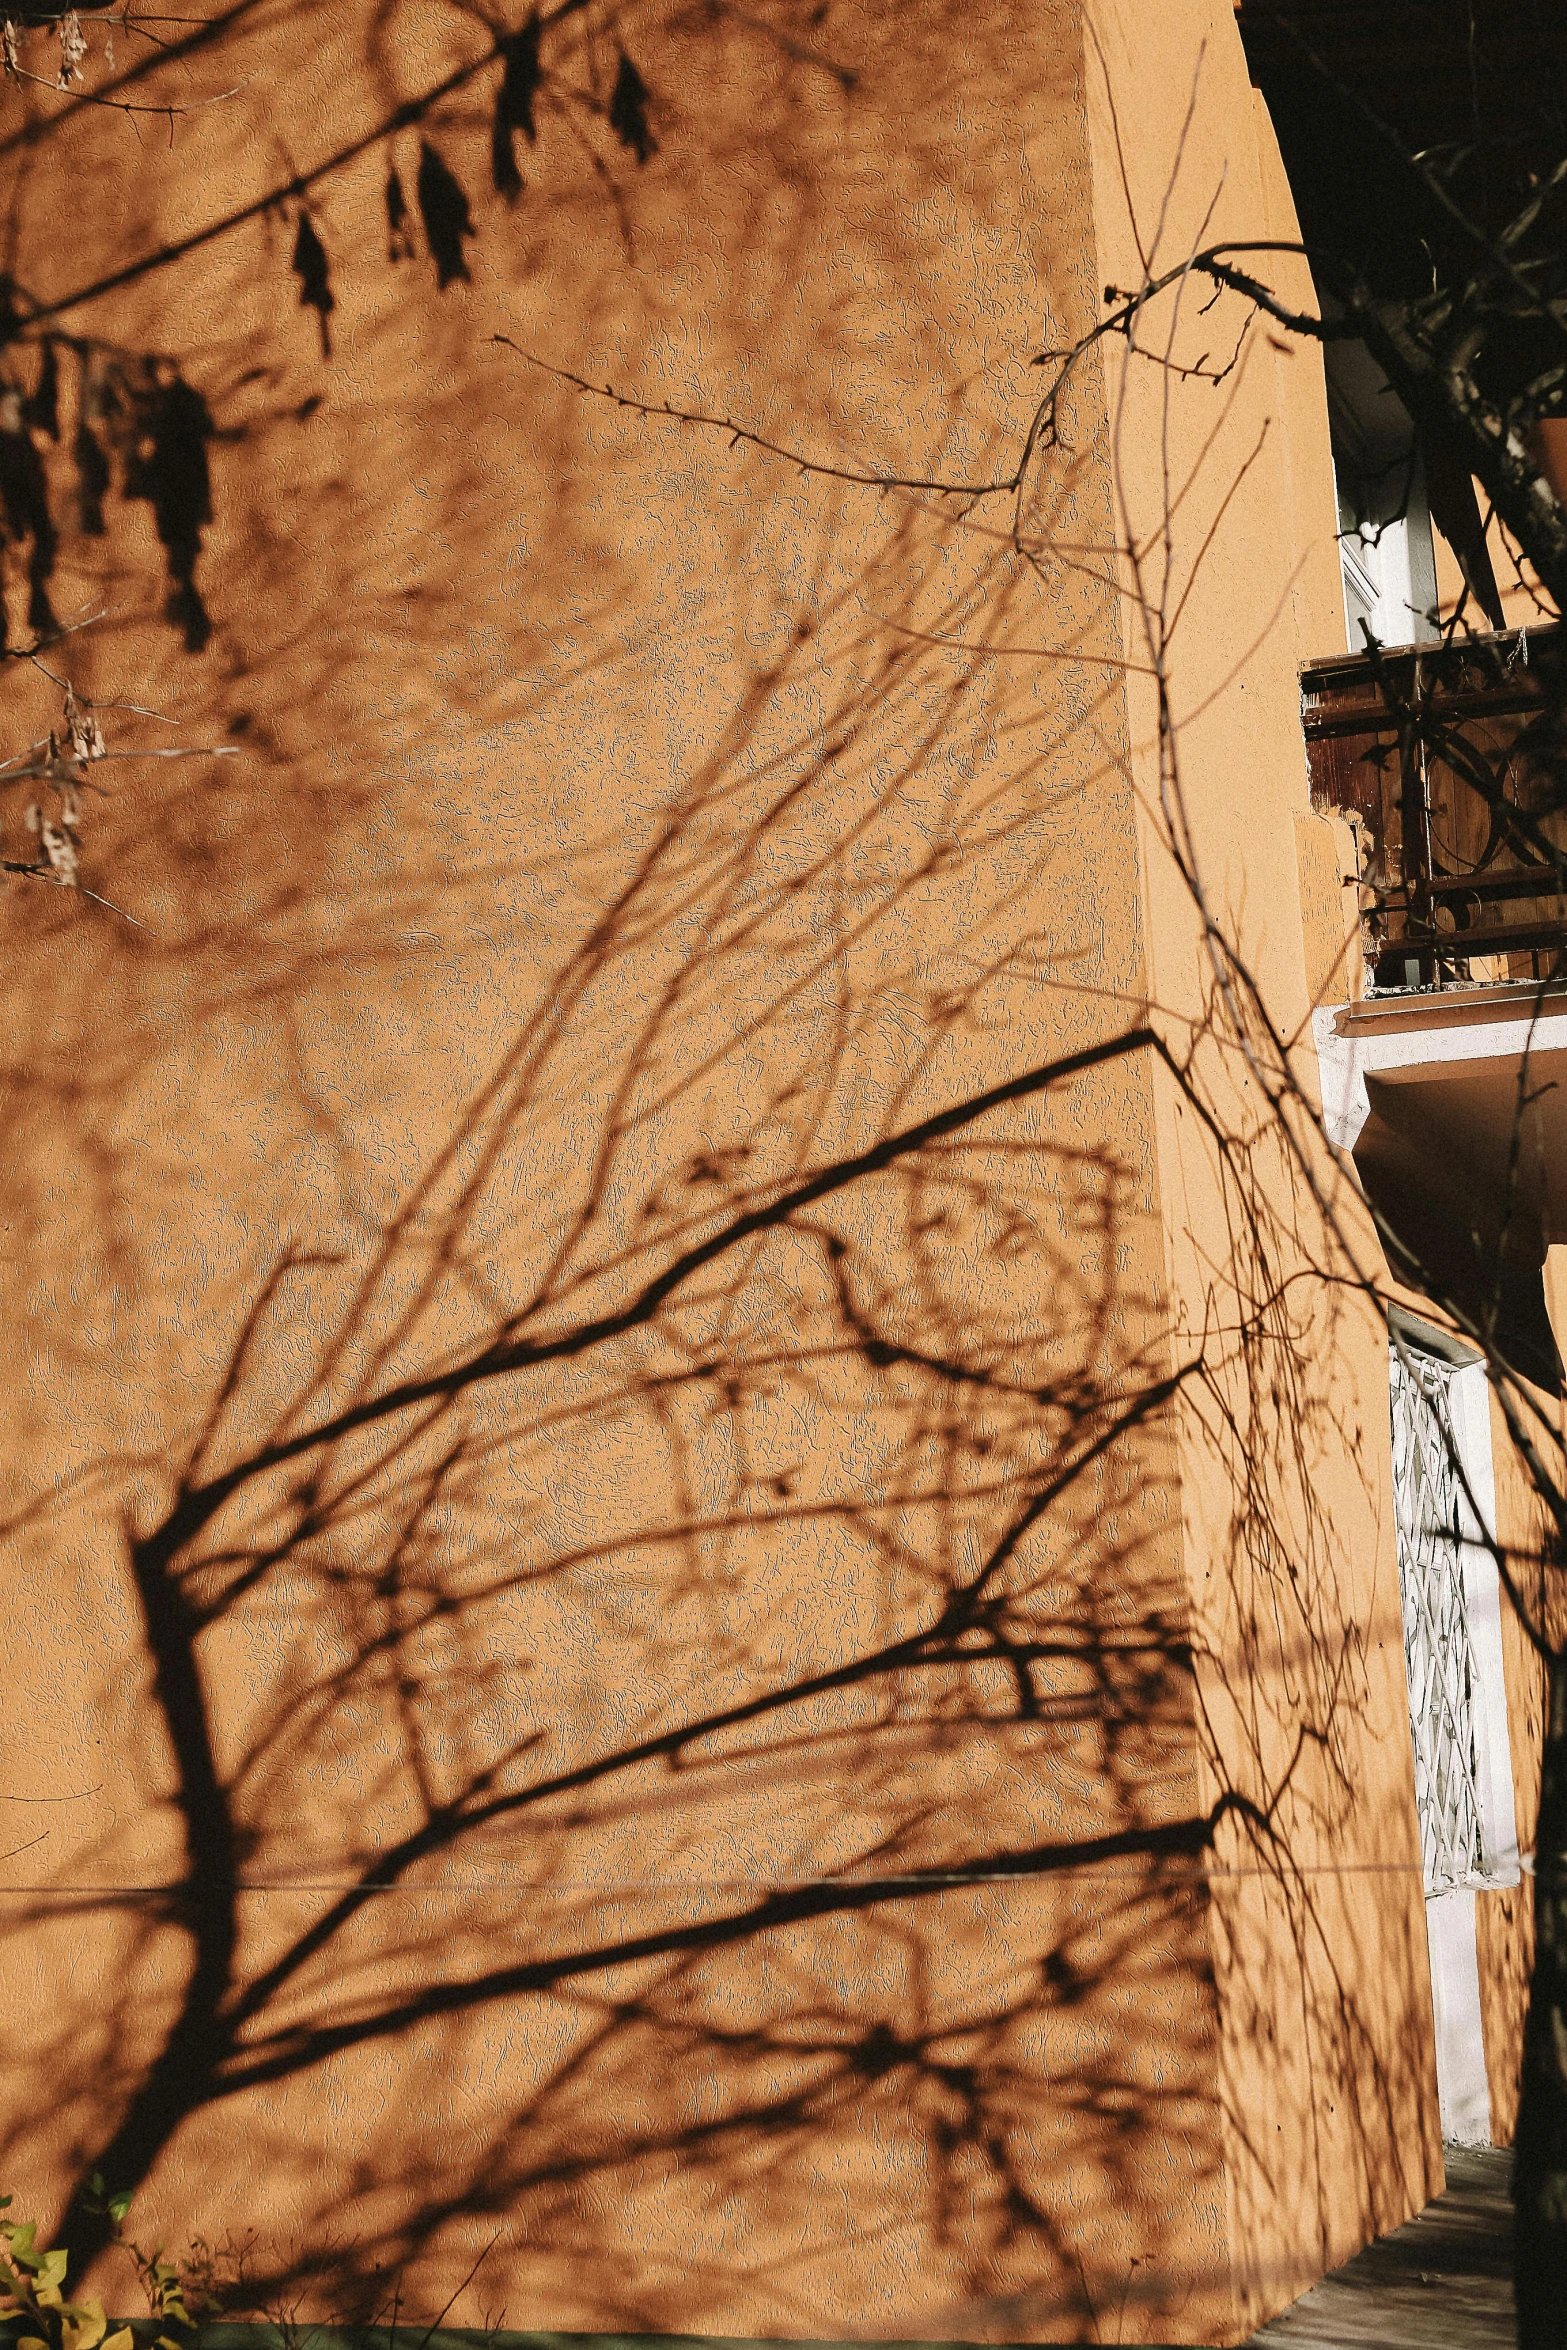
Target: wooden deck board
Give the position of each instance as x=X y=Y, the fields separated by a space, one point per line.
x=1441 y=2282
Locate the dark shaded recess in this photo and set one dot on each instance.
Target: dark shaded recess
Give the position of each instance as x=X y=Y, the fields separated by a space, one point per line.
x=628 y=111
x=168 y=467
x=444 y=210
x=514 y=107
x=1480 y=94
x=311 y=268
x=399 y=229
x=24 y=496
x=1413 y=132
x=1456 y=1255
x=42 y=408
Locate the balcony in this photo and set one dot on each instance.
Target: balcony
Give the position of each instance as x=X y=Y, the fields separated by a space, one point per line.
x=1446 y=1081
x=1451 y=763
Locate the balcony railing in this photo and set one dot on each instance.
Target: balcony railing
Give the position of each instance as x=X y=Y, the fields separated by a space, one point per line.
x=1452 y=762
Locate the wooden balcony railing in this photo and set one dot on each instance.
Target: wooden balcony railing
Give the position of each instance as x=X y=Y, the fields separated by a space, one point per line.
x=1452 y=761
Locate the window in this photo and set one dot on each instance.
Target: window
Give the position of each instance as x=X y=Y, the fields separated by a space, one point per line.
x=1451 y=1610
x=1386 y=549
x=1437 y=1649
x=1451 y=1597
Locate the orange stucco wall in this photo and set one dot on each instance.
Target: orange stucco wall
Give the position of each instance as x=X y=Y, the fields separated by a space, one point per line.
x=1504 y=1919
x=869 y=1794
x=1320 y=1953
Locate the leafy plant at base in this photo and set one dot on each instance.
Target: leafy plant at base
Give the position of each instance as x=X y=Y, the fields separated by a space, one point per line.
x=32 y=2287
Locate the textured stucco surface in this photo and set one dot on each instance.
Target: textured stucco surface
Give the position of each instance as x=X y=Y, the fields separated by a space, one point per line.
x=523 y=1816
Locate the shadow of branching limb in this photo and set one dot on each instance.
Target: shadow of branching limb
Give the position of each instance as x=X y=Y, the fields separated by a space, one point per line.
x=363 y=1584
x=666 y=1652
x=683 y=1629
x=402 y=1455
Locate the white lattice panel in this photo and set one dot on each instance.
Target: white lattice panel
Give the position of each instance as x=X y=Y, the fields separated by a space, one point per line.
x=1436 y=1629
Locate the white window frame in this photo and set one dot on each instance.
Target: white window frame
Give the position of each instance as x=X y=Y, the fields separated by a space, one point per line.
x=1387 y=557
x=1469 y=1402
x=1463 y=2082
x=1389 y=569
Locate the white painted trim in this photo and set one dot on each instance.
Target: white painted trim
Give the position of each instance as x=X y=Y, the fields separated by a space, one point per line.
x=1462 y=2082
x=1350 y=1049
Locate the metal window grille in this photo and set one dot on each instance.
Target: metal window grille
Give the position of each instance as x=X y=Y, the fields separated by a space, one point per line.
x=1436 y=1626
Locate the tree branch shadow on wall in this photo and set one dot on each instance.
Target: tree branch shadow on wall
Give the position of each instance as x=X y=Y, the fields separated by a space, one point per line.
x=672 y=1641
x=664 y=1711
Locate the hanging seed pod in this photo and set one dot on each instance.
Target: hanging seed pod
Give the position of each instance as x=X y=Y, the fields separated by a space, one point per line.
x=628 y=111
x=514 y=107
x=311 y=268
x=444 y=210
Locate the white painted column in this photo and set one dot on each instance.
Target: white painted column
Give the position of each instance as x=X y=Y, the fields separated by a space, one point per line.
x=1462 y=2082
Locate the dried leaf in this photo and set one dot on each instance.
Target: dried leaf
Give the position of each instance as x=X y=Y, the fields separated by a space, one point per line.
x=58 y=843
x=444 y=210
x=13 y=60
x=514 y=107
x=520 y=81
x=628 y=111
x=311 y=268
x=73 y=48
x=86 y=736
